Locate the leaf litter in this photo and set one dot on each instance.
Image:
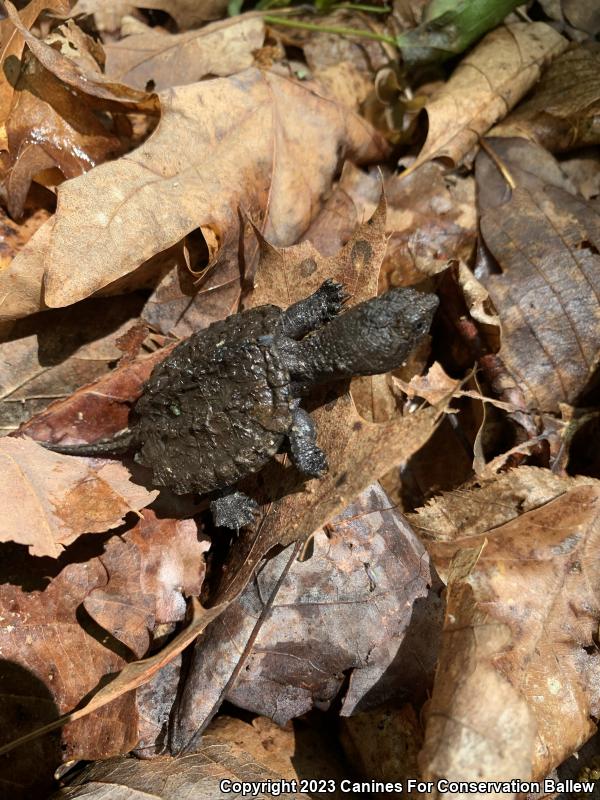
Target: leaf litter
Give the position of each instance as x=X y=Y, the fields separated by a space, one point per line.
x=185 y=164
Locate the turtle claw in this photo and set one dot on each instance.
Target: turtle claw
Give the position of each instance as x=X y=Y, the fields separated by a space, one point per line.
x=234 y=510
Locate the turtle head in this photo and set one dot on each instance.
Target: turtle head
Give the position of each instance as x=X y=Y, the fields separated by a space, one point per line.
x=379 y=334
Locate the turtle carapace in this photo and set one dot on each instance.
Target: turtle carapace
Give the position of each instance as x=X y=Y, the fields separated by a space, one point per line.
x=228 y=398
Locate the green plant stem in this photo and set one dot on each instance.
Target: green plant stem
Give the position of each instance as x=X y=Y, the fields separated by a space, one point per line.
x=309 y=26
x=360 y=7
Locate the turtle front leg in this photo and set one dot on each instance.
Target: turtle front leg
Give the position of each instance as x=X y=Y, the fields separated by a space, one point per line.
x=309 y=314
x=233 y=510
x=306 y=454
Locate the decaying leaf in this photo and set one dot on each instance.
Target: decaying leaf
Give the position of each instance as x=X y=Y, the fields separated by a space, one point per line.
x=522 y=614
x=150 y=573
x=485 y=86
x=186 y=13
x=49 y=662
x=61 y=497
x=163 y=60
x=564 y=110
x=77 y=74
x=361 y=606
x=196 y=775
x=242 y=135
x=431 y=218
x=12 y=44
x=49 y=126
x=546 y=242
x=46 y=357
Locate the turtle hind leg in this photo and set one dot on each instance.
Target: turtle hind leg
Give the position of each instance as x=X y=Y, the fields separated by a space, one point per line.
x=306 y=454
x=309 y=314
x=233 y=510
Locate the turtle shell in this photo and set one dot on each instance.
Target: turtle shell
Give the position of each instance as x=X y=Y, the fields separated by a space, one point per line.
x=218 y=407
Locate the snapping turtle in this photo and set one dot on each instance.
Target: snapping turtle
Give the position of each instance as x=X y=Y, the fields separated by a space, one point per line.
x=228 y=398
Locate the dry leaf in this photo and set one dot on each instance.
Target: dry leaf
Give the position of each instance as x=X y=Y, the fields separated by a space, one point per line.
x=51 y=659
x=186 y=13
x=49 y=125
x=521 y=617
x=61 y=497
x=242 y=136
x=78 y=75
x=48 y=356
x=360 y=607
x=546 y=242
x=150 y=573
x=564 y=110
x=431 y=218
x=485 y=86
x=12 y=44
x=383 y=745
x=163 y=60
x=98 y=410
x=196 y=775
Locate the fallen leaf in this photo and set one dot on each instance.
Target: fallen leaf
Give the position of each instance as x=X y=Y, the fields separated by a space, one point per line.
x=309 y=748
x=546 y=242
x=47 y=357
x=61 y=497
x=361 y=607
x=48 y=125
x=431 y=219
x=51 y=659
x=13 y=235
x=12 y=44
x=382 y=745
x=97 y=410
x=132 y=676
x=186 y=13
x=484 y=87
x=521 y=618
x=253 y=162
x=163 y=60
x=79 y=77
x=198 y=775
x=563 y=112
x=150 y=573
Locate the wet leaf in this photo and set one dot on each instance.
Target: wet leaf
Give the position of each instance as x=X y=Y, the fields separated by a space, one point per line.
x=564 y=111
x=546 y=242
x=521 y=618
x=239 y=169
x=485 y=85
x=164 y=60
x=61 y=497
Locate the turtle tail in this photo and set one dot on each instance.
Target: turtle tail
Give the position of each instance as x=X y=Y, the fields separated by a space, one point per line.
x=118 y=445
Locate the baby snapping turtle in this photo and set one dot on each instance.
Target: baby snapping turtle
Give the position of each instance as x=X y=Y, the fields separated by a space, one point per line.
x=228 y=398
